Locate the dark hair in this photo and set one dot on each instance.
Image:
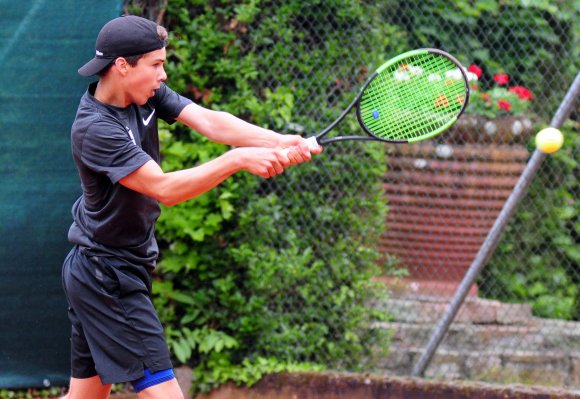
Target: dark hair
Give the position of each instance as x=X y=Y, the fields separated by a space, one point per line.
x=134 y=59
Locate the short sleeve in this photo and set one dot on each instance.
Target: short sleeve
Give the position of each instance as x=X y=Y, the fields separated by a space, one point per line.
x=169 y=104
x=108 y=148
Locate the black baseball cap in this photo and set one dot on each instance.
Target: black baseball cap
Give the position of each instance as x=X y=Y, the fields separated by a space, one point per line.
x=123 y=37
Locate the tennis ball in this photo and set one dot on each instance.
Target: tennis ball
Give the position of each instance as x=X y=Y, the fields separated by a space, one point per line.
x=549 y=140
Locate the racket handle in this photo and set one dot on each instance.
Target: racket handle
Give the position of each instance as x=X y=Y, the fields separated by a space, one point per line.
x=310 y=141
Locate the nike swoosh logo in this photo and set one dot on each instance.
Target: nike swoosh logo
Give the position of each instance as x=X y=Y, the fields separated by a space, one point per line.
x=146 y=121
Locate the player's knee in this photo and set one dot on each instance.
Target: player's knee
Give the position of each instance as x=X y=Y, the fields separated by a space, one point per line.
x=155 y=393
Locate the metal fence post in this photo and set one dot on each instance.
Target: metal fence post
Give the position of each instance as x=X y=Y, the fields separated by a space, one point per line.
x=494 y=235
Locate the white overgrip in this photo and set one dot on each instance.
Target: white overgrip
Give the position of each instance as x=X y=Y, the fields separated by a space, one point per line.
x=310 y=141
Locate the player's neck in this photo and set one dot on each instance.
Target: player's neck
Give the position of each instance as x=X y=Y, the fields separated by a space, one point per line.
x=111 y=93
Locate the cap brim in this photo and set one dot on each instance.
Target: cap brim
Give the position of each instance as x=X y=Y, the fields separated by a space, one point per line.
x=94 y=66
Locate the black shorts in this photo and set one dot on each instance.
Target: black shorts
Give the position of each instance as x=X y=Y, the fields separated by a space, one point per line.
x=116 y=332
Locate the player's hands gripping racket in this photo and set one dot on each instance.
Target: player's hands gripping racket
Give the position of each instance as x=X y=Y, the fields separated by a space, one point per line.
x=412 y=97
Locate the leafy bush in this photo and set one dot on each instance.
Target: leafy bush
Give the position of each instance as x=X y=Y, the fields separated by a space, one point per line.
x=259 y=278
x=507 y=37
x=527 y=40
x=549 y=279
x=256 y=278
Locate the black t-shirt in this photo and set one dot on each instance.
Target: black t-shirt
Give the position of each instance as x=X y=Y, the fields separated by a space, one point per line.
x=109 y=143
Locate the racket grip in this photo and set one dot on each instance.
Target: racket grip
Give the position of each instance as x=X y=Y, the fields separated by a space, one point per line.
x=310 y=141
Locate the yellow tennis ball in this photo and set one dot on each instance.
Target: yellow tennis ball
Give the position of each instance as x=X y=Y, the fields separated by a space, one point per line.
x=549 y=140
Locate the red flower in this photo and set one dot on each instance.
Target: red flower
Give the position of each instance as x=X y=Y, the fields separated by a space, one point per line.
x=522 y=92
x=504 y=105
x=501 y=78
x=477 y=71
x=441 y=102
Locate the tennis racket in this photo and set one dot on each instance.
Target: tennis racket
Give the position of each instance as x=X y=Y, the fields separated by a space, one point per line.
x=412 y=97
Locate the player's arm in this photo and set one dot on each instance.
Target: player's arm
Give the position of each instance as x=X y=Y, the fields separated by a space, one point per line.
x=175 y=187
x=225 y=128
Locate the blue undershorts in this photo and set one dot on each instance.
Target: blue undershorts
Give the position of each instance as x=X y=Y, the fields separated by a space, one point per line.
x=152 y=379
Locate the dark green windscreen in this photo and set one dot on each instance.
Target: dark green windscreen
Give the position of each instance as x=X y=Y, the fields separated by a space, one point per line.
x=42 y=44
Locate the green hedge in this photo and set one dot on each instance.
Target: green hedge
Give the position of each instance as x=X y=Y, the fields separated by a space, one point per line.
x=535 y=42
x=261 y=276
x=538 y=260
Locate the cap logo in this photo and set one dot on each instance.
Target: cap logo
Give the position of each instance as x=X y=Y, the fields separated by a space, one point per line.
x=98 y=52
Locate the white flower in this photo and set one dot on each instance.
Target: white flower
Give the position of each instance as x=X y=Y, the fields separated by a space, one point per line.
x=401 y=75
x=434 y=77
x=471 y=76
x=415 y=70
x=457 y=75
x=454 y=74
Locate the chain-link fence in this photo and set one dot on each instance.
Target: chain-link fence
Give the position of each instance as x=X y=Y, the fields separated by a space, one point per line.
x=521 y=321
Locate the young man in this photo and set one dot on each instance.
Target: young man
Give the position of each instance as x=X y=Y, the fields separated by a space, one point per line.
x=116 y=334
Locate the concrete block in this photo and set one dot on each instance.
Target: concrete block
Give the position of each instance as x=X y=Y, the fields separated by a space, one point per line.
x=514 y=313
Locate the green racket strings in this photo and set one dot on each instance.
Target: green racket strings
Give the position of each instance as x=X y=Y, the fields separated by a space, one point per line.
x=413 y=98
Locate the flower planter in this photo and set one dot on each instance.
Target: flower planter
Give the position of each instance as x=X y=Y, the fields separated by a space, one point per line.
x=477 y=129
x=444 y=196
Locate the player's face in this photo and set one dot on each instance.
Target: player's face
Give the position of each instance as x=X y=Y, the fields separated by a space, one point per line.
x=146 y=76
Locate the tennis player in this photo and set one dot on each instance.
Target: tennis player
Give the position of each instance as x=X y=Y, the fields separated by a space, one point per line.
x=116 y=334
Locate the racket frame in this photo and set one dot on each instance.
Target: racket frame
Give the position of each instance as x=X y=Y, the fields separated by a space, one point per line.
x=318 y=138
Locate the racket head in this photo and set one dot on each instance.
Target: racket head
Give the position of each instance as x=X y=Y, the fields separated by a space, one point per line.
x=414 y=96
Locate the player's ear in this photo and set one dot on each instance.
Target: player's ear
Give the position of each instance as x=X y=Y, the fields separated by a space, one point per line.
x=122 y=65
